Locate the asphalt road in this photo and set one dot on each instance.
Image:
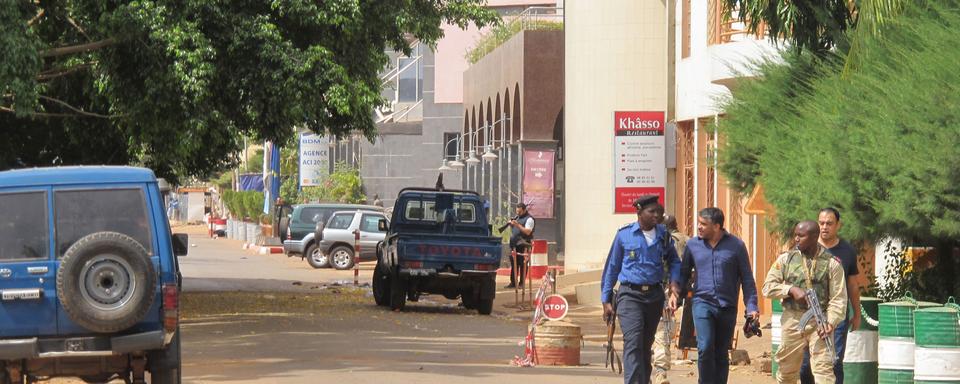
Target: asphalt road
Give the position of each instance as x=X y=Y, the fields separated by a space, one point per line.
x=269 y=318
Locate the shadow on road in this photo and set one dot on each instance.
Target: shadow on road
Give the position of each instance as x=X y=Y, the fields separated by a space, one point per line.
x=245 y=336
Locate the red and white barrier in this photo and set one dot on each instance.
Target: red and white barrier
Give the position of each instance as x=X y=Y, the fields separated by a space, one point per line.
x=538 y=259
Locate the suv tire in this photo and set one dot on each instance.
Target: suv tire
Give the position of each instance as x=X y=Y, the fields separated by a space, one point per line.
x=316 y=258
x=164 y=365
x=485 y=306
x=398 y=293
x=381 y=286
x=106 y=282
x=469 y=299
x=341 y=257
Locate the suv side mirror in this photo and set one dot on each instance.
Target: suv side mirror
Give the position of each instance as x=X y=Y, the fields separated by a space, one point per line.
x=318 y=232
x=382 y=225
x=181 y=244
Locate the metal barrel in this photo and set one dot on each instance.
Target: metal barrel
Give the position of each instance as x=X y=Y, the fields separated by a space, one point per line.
x=895 y=349
x=860 y=356
x=776 y=335
x=937 y=352
x=558 y=343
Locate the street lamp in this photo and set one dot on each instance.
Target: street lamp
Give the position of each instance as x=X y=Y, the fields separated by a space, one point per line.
x=489 y=156
x=473 y=160
x=443 y=166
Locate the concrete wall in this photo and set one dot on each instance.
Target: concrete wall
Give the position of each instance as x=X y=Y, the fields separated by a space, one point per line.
x=530 y=65
x=616 y=59
x=408 y=154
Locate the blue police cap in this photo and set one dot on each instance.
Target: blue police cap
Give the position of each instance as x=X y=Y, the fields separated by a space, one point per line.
x=644 y=201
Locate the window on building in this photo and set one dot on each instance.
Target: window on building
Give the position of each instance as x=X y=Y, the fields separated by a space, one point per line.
x=410 y=80
x=450 y=145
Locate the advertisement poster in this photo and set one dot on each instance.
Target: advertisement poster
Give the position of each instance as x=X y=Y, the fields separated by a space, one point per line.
x=538 y=182
x=639 y=158
x=314 y=159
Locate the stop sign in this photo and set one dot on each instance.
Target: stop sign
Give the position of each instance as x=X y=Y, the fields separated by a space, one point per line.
x=555 y=307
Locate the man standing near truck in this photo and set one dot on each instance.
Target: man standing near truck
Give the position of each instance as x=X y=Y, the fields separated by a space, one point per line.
x=521 y=236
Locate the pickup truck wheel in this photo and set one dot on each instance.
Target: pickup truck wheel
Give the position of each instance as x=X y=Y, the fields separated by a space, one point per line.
x=485 y=306
x=381 y=286
x=316 y=258
x=469 y=300
x=342 y=257
x=398 y=293
x=106 y=282
x=164 y=365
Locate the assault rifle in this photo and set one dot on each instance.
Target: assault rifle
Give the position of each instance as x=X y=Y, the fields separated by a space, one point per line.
x=502 y=228
x=613 y=358
x=816 y=312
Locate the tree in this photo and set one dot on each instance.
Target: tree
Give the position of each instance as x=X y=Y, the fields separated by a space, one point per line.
x=173 y=85
x=880 y=143
x=817 y=26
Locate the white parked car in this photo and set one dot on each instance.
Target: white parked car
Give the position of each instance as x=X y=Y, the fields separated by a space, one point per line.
x=337 y=243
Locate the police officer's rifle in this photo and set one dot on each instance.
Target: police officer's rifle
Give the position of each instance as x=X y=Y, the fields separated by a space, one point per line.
x=816 y=312
x=501 y=229
x=613 y=358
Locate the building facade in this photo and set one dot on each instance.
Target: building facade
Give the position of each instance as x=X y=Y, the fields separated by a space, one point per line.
x=681 y=57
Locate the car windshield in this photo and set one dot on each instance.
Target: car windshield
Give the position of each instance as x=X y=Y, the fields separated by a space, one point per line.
x=82 y=212
x=341 y=221
x=416 y=210
x=24 y=230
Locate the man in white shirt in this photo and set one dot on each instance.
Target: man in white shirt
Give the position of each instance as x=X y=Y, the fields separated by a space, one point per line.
x=521 y=237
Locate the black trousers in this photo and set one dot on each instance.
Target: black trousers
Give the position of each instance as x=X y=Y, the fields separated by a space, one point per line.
x=639 y=313
x=520 y=263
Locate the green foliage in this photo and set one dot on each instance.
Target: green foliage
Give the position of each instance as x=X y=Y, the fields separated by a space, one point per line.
x=174 y=85
x=254 y=162
x=244 y=204
x=930 y=284
x=815 y=26
x=224 y=181
x=879 y=143
x=504 y=31
x=343 y=186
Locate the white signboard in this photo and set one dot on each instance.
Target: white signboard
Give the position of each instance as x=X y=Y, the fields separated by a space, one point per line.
x=314 y=159
x=639 y=158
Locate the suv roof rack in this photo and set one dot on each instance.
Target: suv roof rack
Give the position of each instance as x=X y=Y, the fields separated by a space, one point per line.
x=423 y=189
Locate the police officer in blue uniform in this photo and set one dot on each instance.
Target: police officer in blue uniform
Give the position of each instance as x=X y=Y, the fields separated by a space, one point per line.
x=636 y=260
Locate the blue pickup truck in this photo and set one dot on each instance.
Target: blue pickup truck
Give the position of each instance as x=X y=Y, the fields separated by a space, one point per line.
x=438 y=242
x=89 y=278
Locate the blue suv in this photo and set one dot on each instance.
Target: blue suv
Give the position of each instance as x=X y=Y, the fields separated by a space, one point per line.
x=89 y=279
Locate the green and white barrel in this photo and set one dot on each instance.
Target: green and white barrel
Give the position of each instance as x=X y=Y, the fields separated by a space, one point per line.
x=860 y=356
x=937 y=352
x=776 y=334
x=896 y=348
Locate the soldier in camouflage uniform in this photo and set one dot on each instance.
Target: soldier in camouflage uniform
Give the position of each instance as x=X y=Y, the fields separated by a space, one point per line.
x=807 y=266
x=668 y=323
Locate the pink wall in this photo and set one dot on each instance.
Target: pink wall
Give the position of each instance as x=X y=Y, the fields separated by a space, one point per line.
x=450 y=61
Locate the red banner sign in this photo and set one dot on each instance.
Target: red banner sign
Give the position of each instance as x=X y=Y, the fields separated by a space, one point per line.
x=538 y=182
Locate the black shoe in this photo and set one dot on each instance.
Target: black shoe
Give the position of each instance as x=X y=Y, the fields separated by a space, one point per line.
x=511 y=285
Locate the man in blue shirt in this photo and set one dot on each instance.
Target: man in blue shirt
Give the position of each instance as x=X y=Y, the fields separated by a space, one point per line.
x=722 y=266
x=636 y=261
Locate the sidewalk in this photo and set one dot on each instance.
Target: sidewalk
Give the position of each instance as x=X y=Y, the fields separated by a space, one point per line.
x=594 y=331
